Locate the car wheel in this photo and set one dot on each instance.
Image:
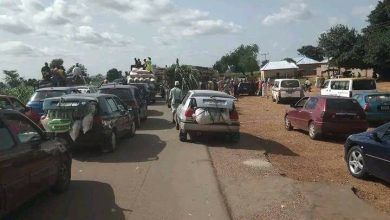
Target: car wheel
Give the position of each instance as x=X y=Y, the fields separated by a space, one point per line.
x=182 y=135
x=177 y=125
x=111 y=143
x=313 y=132
x=63 y=178
x=356 y=163
x=132 y=129
x=235 y=137
x=287 y=124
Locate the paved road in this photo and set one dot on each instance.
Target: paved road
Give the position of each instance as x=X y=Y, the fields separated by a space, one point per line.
x=151 y=176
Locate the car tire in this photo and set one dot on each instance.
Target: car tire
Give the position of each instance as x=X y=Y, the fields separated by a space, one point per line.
x=177 y=125
x=63 y=179
x=234 y=137
x=132 y=130
x=287 y=124
x=313 y=132
x=183 y=135
x=356 y=163
x=111 y=143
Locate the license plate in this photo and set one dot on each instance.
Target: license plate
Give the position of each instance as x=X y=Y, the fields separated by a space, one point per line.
x=385 y=107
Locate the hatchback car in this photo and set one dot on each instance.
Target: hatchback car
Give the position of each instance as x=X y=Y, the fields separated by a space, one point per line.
x=145 y=91
x=369 y=153
x=30 y=162
x=375 y=105
x=10 y=102
x=326 y=115
x=287 y=90
x=37 y=98
x=207 y=111
x=111 y=118
x=129 y=95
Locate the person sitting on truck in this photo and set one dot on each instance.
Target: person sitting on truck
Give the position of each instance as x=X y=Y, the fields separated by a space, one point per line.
x=45 y=72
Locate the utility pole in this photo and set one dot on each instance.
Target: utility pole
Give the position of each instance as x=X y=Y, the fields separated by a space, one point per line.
x=265 y=55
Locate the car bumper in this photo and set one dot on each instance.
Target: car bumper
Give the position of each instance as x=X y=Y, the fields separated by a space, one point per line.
x=213 y=128
x=94 y=137
x=341 y=128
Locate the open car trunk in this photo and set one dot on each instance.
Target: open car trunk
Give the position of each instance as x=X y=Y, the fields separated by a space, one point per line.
x=209 y=110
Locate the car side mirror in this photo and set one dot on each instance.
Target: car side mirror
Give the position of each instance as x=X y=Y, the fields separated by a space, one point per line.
x=376 y=137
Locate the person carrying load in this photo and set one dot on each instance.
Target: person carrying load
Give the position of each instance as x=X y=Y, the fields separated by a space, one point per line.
x=175 y=96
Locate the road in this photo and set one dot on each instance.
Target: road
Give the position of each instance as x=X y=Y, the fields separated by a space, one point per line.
x=151 y=176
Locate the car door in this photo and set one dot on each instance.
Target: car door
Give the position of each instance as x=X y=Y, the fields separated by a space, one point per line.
x=116 y=119
x=180 y=108
x=294 y=114
x=125 y=118
x=38 y=160
x=325 y=90
x=378 y=155
x=307 y=112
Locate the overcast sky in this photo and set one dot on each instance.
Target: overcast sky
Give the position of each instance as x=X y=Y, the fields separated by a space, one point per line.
x=103 y=34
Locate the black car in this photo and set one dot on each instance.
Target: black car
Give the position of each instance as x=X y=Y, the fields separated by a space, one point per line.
x=245 y=88
x=369 y=153
x=111 y=118
x=30 y=161
x=146 y=94
x=130 y=95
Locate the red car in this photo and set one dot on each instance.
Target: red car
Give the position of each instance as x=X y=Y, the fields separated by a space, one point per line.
x=326 y=115
x=12 y=103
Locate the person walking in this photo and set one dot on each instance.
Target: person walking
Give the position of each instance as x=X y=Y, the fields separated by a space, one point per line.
x=175 y=96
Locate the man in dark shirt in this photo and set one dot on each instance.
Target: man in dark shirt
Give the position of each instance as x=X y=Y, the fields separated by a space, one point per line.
x=45 y=72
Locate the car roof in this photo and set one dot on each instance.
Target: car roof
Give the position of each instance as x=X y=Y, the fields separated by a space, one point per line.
x=211 y=92
x=55 y=89
x=285 y=79
x=373 y=93
x=116 y=86
x=356 y=79
x=88 y=96
x=330 y=97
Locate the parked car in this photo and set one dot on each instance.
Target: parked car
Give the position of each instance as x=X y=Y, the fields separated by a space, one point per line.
x=287 y=90
x=218 y=106
x=244 y=88
x=131 y=97
x=10 y=102
x=145 y=91
x=376 y=106
x=30 y=161
x=348 y=87
x=111 y=118
x=37 y=98
x=369 y=153
x=87 y=89
x=326 y=115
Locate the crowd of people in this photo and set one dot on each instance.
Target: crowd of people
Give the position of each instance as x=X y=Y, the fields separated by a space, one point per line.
x=57 y=76
x=146 y=65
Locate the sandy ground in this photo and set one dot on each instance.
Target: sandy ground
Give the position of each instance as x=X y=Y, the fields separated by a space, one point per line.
x=303 y=159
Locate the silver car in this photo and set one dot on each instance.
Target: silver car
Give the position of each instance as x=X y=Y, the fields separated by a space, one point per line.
x=207 y=111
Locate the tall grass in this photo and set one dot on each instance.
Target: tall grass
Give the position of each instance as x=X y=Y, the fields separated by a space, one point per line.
x=23 y=93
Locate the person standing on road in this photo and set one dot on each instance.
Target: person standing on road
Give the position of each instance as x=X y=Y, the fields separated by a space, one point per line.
x=175 y=96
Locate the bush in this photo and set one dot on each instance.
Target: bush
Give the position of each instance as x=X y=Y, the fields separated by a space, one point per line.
x=23 y=93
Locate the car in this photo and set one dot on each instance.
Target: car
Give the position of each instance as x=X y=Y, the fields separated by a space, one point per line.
x=86 y=89
x=376 y=106
x=217 y=106
x=369 y=153
x=287 y=90
x=326 y=115
x=145 y=91
x=30 y=161
x=36 y=100
x=130 y=95
x=110 y=120
x=10 y=102
x=245 y=88
x=348 y=87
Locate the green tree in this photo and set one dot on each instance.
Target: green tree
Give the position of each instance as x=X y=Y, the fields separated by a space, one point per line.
x=56 y=63
x=97 y=79
x=12 y=78
x=243 y=59
x=113 y=74
x=376 y=37
x=290 y=60
x=312 y=52
x=339 y=44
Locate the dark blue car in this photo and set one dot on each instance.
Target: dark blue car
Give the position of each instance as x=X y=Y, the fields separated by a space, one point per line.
x=369 y=153
x=36 y=100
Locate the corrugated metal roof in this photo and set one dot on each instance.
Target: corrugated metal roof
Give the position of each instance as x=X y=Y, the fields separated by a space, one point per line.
x=279 y=65
x=305 y=60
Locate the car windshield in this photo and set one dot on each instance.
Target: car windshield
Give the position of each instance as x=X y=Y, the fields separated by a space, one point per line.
x=340 y=105
x=378 y=98
x=123 y=94
x=41 y=95
x=290 y=84
x=366 y=84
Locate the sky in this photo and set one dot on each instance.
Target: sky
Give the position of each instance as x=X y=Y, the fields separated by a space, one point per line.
x=105 y=34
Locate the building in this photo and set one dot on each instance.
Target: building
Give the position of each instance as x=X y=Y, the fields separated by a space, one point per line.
x=307 y=66
x=279 y=69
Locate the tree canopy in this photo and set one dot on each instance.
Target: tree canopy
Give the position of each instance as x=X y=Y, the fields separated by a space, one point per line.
x=113 y=74
x=243 y=59
x=56 y=63
x=312 y=52
x=290 y=60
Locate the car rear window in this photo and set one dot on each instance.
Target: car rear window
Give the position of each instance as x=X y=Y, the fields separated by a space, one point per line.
x=378 y=98
x=344 y=105
x=41 y=95
x=290 y=84
x=123 y=94
x=364 y=84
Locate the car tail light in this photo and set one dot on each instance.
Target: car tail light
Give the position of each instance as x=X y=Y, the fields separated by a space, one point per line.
x=189 y=112
x=366 y=107
x=233 y=115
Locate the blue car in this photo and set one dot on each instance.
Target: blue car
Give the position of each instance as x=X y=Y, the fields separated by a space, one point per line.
x=369 y=153
x=376 y=106
x=36 y=100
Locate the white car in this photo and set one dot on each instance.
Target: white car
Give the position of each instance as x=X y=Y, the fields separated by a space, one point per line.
x=287 y=90
x=348 y=87
x=207 y=111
